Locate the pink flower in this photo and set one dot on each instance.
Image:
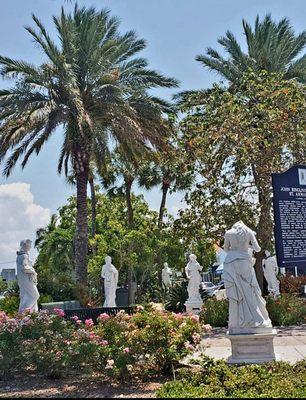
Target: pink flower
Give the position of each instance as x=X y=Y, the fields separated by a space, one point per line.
x=89 y=322
x=58 y=354
x=126 y=350
x=139 y=308
x=194 y=318
x=207 y=328
x=59 y=312
x=196 y=337
x=178 y=316
x=188 y=346
x=79 y=322
x=75 y=318
x=103 y=317
x=104 y=343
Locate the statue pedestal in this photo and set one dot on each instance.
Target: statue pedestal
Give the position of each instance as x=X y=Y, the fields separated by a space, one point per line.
x=193 y=306
x=252 y=348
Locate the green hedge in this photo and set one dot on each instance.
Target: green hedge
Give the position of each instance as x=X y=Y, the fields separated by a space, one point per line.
x=286 y=310
x=217 y=379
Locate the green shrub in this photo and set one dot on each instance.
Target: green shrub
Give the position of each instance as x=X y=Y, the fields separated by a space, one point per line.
x=10 y=304
x=217 y=379
x=176 y=297
x=287 y=309
x=215 y=312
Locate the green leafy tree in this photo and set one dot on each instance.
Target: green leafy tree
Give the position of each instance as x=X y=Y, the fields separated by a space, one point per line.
x=236 y=141
x=93 y=86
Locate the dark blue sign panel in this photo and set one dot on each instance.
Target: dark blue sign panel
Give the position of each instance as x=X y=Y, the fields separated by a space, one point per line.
x=289 y=202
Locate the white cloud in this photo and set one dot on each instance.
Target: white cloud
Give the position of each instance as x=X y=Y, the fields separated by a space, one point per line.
x=20 y=217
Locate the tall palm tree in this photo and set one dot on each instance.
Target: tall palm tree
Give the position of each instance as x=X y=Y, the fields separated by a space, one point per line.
x=92 y=85
x=162 y=172
x=271 y=46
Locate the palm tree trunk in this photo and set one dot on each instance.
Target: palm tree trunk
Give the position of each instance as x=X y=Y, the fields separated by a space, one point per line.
x=128 y=192
x=165 y=188
x=128 y=197
x=93 y=211
x=81 y=233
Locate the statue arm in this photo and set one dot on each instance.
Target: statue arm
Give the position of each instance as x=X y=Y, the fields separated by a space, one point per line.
x=227 y=245
x=27 y=267
x=187 y=272
x=254 y=244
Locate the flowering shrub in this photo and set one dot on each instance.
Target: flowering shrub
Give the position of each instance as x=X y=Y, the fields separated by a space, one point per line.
x=118 y=346
x=287 y=309
x=292 y=284
x=215 y=312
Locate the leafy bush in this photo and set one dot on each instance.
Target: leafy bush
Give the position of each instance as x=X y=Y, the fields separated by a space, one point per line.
x=217 y=379
x=215 y=312
x=287 y=309
x=10 y=304
x=3 y=285
x=176 y=297
x=149 y=341
x=292 y=284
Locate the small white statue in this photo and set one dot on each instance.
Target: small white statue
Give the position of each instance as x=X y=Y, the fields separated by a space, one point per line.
x=192 y=270
x=166 y=275
x=270 y=269
x=247 y=308
x=27 y=279
x=110 y=275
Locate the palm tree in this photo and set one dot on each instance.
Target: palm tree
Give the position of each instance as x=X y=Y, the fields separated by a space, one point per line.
x=93 y=86
x=163 y=172
x=271 y=46
x=42 y=233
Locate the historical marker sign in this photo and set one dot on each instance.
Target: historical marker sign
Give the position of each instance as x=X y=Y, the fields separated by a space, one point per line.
x=289 y=201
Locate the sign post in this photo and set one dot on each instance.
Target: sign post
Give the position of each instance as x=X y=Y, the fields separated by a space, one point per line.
x=289 y=203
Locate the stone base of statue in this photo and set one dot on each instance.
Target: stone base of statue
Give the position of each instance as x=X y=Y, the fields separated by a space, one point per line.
x=252 y=348
x=193 y=307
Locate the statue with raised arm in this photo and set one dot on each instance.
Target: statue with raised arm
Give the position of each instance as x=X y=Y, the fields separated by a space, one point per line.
x=192 y=271
x=166 y=275
x=247 y=308
x=270 y=270
x=26 y=278
x=110 y=275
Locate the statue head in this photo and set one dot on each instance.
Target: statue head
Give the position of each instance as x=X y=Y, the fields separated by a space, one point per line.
x=166 y=265
x=267 y=253
x=192 y=257
x=25 y=245
x=108 y=260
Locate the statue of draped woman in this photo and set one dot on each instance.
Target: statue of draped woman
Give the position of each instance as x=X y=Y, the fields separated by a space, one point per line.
x=110 y=275
x=192 y=270
x=26 y=278
x=247 y=307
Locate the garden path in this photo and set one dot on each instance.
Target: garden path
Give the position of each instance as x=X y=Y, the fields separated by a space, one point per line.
x=289 y=344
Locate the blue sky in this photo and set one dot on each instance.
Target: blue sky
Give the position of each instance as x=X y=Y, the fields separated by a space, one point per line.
x=175 y=31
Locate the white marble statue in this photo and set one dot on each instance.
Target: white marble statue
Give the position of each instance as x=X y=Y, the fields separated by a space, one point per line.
x=166 y=275
x=110 y=275
x=270 y=269
x=192 y=270
x=26 y=278
x=247 y=308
